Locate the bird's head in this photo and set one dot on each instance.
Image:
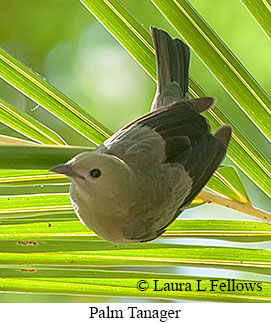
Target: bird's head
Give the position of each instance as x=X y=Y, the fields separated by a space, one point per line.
x=95 y=172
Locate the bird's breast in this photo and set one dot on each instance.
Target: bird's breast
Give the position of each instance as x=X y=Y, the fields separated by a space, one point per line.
x=105 y=216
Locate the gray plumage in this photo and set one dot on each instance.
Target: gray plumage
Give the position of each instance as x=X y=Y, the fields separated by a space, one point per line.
x=139 y=180
x=172 y=60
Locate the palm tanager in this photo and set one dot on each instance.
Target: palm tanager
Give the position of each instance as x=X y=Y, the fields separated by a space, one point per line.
x=138 y=181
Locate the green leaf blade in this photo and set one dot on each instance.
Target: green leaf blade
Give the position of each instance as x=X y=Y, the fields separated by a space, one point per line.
x=127 y=288
x=226 y=181
x=10 y=177
x=74 y=230
x=36 y=156
x=261 y=11
x=28 y=126
x=132 y=255
x=14 y=205
x=30 y=84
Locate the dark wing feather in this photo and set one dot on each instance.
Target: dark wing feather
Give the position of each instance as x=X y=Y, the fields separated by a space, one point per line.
x=204 y=159
x=200 y=162
x=179 y=125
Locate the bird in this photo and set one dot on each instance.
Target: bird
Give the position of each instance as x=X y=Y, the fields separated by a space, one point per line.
x=137 y=182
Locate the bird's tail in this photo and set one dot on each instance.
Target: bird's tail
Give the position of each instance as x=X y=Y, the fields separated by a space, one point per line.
x=172 y=59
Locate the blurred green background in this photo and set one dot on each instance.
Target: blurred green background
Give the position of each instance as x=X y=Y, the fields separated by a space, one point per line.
x=63 y=43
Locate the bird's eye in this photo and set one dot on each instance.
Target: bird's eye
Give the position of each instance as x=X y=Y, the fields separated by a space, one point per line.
x=95 y=172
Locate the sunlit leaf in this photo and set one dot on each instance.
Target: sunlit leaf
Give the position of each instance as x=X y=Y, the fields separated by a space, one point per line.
x=30 y=177
x=226 y=181
x=15 y=205
x=52 y=228
x=261 y=11
x=128 y=287
x=36 y=157
x=33 y=86
x=105 y=254
x=27 y=126
x=8 y=140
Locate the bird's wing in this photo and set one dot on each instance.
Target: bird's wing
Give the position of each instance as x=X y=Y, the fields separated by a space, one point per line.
x=172 y=60
x=199 y=163
x=162 y=135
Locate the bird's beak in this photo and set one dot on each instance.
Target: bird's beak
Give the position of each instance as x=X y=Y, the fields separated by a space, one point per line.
x=64 y=169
